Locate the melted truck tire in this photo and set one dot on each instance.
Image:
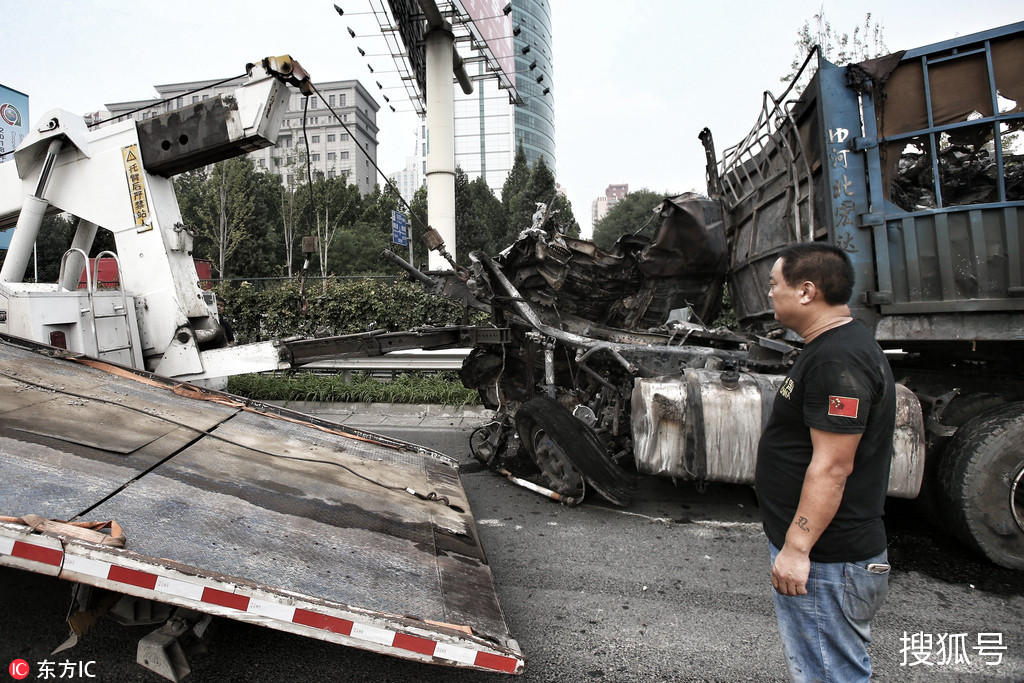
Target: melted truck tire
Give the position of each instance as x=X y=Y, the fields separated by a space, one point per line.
x=578 y=443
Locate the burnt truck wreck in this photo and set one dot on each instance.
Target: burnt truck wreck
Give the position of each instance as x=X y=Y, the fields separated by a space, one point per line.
x=604 y=365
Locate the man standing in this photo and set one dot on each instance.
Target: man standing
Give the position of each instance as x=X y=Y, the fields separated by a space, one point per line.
x=225 y=323
x=823 y=470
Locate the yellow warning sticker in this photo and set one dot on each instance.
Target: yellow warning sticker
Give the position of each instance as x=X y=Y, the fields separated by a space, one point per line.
x=136 y=186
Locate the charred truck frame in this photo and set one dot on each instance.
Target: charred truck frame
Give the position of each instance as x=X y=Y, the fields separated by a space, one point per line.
x=910 y=164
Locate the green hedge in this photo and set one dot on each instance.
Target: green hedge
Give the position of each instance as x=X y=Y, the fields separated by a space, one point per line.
x=442 y=388
x=339 y=307
x=336 y=307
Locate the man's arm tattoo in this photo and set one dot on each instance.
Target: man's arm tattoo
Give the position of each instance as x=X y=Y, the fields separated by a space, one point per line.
x=802 y=523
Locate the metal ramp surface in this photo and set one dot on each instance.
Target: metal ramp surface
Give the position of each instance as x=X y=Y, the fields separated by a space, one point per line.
x=245 y=511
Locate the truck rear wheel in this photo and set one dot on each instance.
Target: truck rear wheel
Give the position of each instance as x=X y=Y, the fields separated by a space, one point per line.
x=982 y=482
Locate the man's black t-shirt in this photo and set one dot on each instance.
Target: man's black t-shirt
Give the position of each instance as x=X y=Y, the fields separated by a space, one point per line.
x=841 y=382
x=229 y=332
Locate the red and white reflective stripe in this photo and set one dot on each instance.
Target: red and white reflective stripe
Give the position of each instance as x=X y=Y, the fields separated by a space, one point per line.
x=191 y=590
x=34 y=552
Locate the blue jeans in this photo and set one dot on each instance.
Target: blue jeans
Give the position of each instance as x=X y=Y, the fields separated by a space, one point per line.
x=825 y=633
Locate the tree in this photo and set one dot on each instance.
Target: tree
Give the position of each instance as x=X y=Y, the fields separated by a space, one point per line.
x=631 y=214
x=480 y=218
x=466 y=229
x=539 y=190
x=515 y=184
x=484 y=223
x=286 y=208
x=198 y=207
x=53 y=240
x=418 y=221
x=362 y=241
x=522 y=208
x=261 y=253
x=232 y=210
x=297 y=216
x=865 y=42
x=336 y=209
x=543 y=189
x=565 y=220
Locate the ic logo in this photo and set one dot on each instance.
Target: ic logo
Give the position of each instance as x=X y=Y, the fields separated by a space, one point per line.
x=19 y=669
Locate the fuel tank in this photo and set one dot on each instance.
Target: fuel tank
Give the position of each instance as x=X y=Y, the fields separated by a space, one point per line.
x=705 y=424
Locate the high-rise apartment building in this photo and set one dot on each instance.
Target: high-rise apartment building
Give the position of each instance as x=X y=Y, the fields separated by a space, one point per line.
x=345 y=148
x=413 y=176
x=612 y=195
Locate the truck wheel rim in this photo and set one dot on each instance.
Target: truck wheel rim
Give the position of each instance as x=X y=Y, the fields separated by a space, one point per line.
x=1017 y=498
x=556 y=466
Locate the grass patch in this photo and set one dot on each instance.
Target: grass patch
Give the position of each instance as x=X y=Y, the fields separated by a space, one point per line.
x=441 y=388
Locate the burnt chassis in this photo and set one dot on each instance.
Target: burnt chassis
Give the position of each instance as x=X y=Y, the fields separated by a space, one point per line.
x=583 y=325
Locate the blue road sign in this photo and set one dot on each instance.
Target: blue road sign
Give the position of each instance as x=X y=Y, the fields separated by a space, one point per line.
x=399 y=232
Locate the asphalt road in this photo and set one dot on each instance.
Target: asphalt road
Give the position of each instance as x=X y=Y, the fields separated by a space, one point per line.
x=674 y=588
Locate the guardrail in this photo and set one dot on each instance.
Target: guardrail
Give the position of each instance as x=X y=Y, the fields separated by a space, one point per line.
x=394 y=362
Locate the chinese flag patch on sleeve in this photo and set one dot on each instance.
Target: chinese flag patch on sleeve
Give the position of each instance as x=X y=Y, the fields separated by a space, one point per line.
x=843 y=406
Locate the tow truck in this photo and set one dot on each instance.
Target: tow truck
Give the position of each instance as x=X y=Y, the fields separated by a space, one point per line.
x=164 y=500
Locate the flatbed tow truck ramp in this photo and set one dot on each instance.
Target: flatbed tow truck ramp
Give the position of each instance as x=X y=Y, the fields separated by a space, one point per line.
x=240 y=510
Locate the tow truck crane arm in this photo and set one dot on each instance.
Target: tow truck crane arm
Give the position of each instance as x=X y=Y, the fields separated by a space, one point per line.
x=224 y=126
x=159 y=319
x=286 y=70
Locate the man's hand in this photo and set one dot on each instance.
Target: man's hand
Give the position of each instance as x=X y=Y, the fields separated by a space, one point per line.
x=790 y=571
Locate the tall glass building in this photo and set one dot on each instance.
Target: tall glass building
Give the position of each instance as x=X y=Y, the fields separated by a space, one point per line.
x=535 y=118
x=488 y=128
x=484 y=131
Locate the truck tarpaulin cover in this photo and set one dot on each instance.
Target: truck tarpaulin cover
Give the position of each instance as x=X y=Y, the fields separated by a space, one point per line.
x=958 y=88
x=687 y=242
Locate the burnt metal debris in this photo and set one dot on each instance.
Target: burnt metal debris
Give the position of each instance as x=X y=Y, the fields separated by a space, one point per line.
x=613 y=364
x=583 y=325
x=968 y=174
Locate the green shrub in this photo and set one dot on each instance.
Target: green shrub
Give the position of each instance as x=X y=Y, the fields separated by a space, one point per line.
x=337 y=307
x=441 y=388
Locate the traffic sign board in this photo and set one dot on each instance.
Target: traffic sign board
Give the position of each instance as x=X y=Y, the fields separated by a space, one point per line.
x=399 y=231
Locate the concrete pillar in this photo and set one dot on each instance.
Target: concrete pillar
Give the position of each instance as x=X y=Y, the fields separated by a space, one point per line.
x=440 y=142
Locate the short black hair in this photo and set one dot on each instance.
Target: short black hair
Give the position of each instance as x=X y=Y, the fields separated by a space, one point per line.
x=826 y=265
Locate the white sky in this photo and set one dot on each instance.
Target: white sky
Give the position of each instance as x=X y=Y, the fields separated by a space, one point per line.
x=634 y=82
